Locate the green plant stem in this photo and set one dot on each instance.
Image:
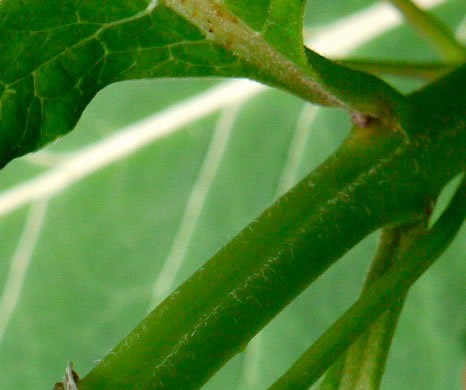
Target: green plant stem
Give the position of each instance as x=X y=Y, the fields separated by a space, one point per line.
x=421 y=70
x=362 y=365
x=284 y=64
x=418 y=253
x=213 y=315
x=432 y=29
x=376 y=100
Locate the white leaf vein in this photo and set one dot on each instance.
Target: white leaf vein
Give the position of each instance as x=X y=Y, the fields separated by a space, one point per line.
x=20 y=264
x=194 y=205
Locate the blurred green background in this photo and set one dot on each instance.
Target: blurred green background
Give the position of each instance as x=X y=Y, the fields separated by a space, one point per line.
x=103 y=240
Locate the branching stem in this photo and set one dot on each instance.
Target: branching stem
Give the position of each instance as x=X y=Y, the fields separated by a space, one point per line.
x=418 y=253
x=239 y=290
x=362 y=365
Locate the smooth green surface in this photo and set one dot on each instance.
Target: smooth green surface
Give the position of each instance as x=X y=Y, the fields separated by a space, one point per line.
x=91 y=277
x=431 y=28
x=421 y=70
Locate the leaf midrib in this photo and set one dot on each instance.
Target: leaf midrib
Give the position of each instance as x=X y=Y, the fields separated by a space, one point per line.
x=219 y=25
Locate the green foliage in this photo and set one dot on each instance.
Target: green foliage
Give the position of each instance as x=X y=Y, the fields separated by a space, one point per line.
x=109 y=246
x=53 y=64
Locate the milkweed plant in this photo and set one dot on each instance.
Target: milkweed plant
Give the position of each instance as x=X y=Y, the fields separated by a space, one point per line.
x=234 y=167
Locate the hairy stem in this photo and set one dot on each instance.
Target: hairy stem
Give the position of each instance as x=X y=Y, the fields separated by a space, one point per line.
x=216 y=312
x=418 y=252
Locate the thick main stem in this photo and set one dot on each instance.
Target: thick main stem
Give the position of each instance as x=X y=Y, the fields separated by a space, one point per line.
x=214 y=314
x=419 y=252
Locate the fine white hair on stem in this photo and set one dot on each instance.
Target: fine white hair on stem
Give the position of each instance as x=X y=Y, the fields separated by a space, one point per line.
x=288 y=176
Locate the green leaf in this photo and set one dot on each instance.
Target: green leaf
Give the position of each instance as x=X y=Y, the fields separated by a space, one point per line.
x=53 y=64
